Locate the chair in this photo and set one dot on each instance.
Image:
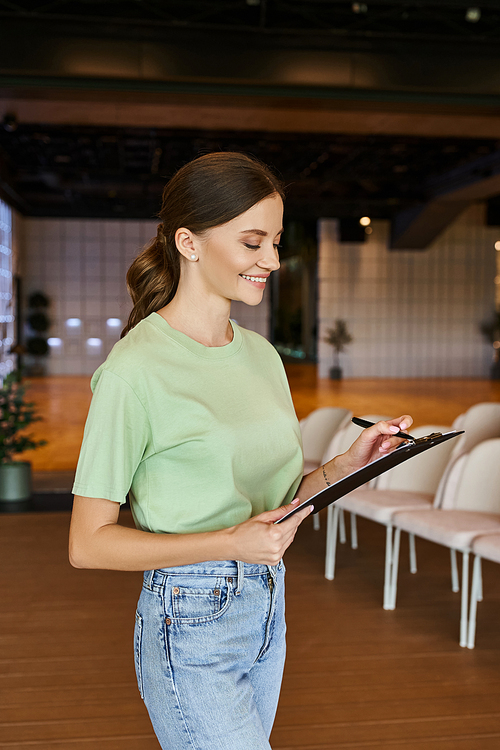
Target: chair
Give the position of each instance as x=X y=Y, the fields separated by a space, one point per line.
x=476 y=511
x=411 y=485
x=341 y=443
x=317 y=429
x=481 y=421
x=487 y=547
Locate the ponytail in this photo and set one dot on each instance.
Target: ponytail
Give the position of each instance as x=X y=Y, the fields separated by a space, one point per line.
x=152 y=279
x=203 y=194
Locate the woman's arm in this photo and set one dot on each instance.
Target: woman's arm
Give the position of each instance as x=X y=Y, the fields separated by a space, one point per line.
x=373 y=442
x=96 y=540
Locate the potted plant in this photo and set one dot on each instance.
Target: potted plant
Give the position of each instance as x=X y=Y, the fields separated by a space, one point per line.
x=15 y=415
x=338 y=338
x=491 y=332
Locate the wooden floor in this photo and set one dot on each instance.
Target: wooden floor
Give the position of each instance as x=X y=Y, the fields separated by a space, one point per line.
x=356 y=676
x=63 y=403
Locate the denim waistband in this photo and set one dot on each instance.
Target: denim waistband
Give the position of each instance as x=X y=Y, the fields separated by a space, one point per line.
x=233 y=568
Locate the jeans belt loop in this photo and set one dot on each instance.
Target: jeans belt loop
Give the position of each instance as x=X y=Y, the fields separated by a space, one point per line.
x=149 y=578
x=239 y=581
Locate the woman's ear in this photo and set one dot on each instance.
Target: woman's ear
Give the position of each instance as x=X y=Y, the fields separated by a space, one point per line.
x=185 y=243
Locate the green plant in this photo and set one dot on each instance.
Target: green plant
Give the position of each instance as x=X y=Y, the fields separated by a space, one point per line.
x=338 y=337
x=15 y=415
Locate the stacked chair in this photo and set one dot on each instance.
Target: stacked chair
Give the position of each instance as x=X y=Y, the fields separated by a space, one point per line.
x=422 y=489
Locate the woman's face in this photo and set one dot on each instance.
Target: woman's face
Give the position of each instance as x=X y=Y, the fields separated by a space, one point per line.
x=235 y=260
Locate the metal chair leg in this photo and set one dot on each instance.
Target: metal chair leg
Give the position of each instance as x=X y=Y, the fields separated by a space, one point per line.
x=395 y=567
x=413 y=553
x=342 y=536
x=354 y=532
x=474 y=598
x=455 y=586
x=331 y=541
x=465 y=592
x=316 y=522
x=388 y=569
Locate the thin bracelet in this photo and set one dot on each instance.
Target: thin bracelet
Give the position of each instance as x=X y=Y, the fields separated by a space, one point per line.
x=328 y=484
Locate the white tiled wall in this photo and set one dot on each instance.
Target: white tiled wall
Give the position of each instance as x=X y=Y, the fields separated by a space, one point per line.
x=8 y=258
x=81 y=265
x=411 y=313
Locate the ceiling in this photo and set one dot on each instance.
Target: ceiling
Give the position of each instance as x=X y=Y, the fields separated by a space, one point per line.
x=419 y=20
x=120 y=172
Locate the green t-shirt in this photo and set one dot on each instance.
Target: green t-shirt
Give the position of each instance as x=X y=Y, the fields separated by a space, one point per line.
x=202 y=437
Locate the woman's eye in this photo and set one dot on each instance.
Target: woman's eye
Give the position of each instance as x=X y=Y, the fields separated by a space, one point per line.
x=251 y=247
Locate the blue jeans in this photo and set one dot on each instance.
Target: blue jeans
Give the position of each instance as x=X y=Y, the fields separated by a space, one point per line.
x=209 y=654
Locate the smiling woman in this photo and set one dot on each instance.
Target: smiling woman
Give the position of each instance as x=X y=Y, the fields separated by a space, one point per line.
x=192 y=417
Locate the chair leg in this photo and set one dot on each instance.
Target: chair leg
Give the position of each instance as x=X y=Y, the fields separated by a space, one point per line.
x=331 y=541
x=316 y=522
x=342 y=536
x=395 y=567
x=388 y=569
x=413 y=553
x=354 y=531
x=474 y=598
x=455 y=586
x=480 y=584
x=465 y=594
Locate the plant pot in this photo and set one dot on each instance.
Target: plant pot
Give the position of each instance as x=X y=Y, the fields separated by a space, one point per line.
x=15 y=482
x=335 y=373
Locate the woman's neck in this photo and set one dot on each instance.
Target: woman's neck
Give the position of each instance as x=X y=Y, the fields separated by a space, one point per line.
x=204 y=321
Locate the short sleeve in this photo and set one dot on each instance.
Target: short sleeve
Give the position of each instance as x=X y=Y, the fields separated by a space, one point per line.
x=116 y=438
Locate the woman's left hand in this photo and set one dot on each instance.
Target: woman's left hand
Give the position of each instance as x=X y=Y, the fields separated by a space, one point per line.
x=376 y=441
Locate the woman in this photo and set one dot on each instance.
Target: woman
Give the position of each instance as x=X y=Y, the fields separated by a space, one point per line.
x=193 y=416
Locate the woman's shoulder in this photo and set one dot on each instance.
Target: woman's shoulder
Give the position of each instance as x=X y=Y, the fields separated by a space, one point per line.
x=130 y=358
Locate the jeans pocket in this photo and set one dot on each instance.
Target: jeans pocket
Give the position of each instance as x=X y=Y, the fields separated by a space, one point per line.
x=138 y=652
x=199 y=600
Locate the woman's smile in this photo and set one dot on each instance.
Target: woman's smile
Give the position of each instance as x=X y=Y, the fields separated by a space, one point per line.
x=257 y=280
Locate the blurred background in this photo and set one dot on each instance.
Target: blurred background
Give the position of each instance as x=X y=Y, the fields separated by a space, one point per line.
x=383 y=120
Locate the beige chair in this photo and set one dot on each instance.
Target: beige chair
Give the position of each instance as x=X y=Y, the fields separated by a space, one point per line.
x=341 y=443
x=481 y=421
x=412 y=485
x=475 y=511
x=487 y=547
x=318 y=429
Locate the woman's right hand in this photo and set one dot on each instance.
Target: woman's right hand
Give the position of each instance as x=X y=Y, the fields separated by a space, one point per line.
x=260 y=541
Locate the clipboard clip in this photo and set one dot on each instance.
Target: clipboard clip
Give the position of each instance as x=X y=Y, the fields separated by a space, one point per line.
x=427 y=438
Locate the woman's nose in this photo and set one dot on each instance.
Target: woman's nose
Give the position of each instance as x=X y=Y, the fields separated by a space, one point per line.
x=271 y=261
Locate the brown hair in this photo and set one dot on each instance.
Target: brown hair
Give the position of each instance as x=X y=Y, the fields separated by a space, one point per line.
x=204 y=193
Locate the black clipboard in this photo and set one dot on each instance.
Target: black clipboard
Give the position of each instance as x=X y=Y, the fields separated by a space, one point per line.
x=352 y=481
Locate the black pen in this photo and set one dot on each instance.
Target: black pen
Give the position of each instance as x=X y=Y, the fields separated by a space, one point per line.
x=365 y=423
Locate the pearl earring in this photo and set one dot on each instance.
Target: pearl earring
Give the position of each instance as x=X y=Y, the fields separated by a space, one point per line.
x=193 y=257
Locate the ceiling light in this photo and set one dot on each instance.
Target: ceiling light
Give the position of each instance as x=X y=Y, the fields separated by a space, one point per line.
x=497 y=245
x=473 y=15
x=365 y=221
x=358 y=7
